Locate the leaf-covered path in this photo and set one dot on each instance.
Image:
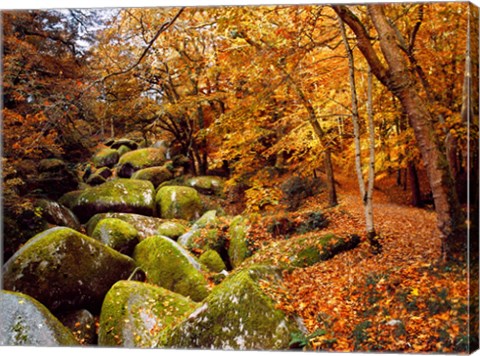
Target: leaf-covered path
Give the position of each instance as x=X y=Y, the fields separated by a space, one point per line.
x=401 y=299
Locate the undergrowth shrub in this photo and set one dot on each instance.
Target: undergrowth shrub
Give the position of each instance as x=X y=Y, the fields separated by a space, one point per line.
x=296 y=189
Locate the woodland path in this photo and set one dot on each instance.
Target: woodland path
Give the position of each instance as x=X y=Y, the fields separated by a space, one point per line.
x=358 y=287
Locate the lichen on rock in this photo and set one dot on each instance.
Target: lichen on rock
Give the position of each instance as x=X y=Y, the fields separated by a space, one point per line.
x=237 y=315
x=168 y=265
x=134 y=314
x=25 y=321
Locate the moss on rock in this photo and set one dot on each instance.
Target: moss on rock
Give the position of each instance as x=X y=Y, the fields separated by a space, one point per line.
x=117 y=234
x=238 y=249
x=237 y=315
x=106 y=157
x=64 y=269
x=212 y=260
x=145 y=225
x=178 y=202
x=143 y=158
x=119 y=195
x=122 y=150
x=172 y=229
x=134 y=314
x=156 y=175
x=25 y=321
x=206 y=184
x=168 y=265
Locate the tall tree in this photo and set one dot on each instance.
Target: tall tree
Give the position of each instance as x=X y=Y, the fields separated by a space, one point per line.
x=366 y=190
x=396 y=76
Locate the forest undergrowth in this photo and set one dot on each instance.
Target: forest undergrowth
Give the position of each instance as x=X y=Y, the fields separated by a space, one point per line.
x=403 y=299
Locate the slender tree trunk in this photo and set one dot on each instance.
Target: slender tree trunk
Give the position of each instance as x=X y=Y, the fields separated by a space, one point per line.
x=372 y=235
x=366 y=193
x=398 y=79
x=332 y=194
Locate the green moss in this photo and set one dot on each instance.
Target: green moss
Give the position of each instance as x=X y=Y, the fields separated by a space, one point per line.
x=25 y=321
x=145 y=225
x=238 y=249
x=70 y=199
x=105 y=158
x=167 y=265
x=117 y=234
x=120 y=195
x=65 y=269
x=172 y=229
x=156 y=175
x=178 y=202
x=206 y=184
x=143 y=158
x=134 y=314
x=212 y=260
x=122 y=150
x=236 y=315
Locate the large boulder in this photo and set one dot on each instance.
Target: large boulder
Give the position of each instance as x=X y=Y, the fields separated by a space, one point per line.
x=25 y=321
x=145 y=225
x=238 y=249
x=123 y=142
x=172 y=229
x=57 y=214
x=176 y=202
x=117 y=234
x=119 y=195
x=134 y=314
x=168 y=265
x=64 y=269
x=142 y=158
x=198 y=238
x=212 y=260
x=237 y=315
x=106 y=157
x=206 y=184
x=156 y=175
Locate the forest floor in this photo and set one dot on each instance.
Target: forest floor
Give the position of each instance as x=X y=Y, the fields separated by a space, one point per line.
x=403 y=299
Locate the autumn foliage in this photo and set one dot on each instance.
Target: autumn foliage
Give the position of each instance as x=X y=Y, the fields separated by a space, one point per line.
x=260 y=95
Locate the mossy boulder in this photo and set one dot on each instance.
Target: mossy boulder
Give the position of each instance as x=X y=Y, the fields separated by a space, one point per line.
x=172 y=229
x=206 y=184
x=205 y=234
x=176 y=202
x=212 y=260
x=96 y=179
x=64 y=269
x=25 y=321
x=145 y=225
x=168 y=265
x=237 y=315
x=323 y=248
x=156 y=175
x=119 y=195
x=57 y=214
x=134 y=314
x=238 y=249
x=106 y=157
x=122 y=150
x=82 y=324
x=117 y=234
x=143 y=158
x=132 y=145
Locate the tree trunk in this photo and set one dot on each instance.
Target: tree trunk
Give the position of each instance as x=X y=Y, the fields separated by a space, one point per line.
x=414 y=185
x=398 y=79
x=366 y=193
x=332 y=194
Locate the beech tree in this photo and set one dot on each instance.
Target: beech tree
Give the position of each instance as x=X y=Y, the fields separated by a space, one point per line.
x=396 y=76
